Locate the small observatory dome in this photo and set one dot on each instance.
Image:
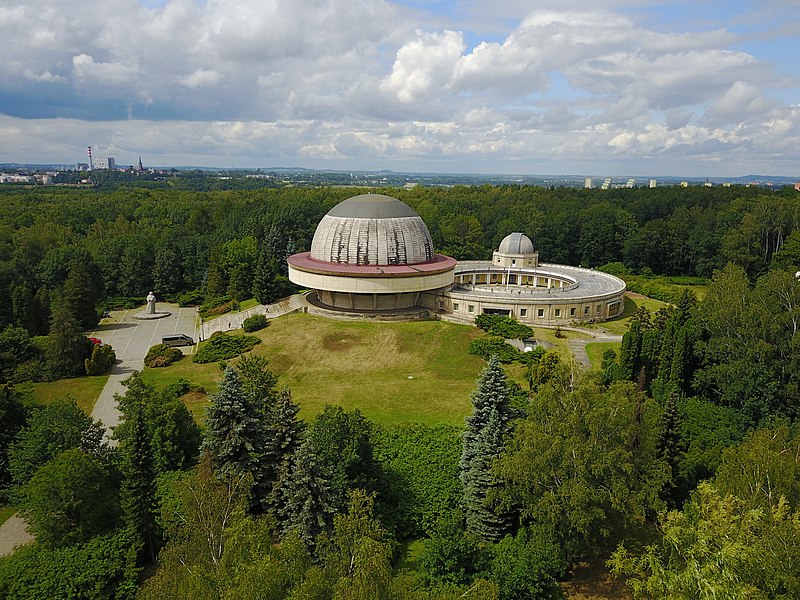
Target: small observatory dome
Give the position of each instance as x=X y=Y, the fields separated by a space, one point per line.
x=516 y=243
x=372 y=229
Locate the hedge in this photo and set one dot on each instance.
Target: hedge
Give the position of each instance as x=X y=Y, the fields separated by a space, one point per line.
x=222 y=346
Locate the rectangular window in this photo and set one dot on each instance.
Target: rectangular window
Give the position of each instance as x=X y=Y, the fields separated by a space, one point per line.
x=571 y=312
x=585 y=311
x=455 y=306
x=513 y=262
x=470 y=308
x=540 y=312
x=599 y=308
x=523 y=312
x=558 y=312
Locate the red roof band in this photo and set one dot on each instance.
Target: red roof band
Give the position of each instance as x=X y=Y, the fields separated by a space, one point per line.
x=304 y=262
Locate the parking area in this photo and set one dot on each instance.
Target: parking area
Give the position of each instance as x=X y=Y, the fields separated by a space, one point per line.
x=131 y=338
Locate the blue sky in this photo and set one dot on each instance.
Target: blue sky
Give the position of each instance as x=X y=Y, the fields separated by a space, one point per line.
x=594 y=87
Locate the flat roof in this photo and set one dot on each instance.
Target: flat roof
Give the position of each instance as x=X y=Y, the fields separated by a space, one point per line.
x=590 y=283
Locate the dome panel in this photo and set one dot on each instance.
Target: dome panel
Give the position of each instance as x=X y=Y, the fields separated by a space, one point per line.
x=516 y=243
x=372 y=229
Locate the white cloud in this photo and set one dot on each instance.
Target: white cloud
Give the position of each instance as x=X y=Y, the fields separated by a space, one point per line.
x=370 y=80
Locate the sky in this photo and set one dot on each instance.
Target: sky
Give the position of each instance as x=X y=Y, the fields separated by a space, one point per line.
x=593 y=87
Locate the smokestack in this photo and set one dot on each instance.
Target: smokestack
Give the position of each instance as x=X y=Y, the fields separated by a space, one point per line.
x=91 y=164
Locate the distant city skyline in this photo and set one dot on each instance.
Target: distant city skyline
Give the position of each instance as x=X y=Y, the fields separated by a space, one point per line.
x=642 y=88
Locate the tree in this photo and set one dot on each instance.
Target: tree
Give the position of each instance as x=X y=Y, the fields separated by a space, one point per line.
x=70 y=500
x=13 y=417
x=357 y=553
x=67 y=347
x=584 y=462
x=341 y=442
x=138 y=484
x=487 y=431
x=235 y=430
x=717 y=548
x=284 y=436
x=528 y=566
x=173 y=436
x=83 y=291
x=59 y=426
x=302 y=500
x=669 y=445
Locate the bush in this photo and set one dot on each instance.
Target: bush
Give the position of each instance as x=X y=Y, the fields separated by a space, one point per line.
x=162 y=355
x=255 y=323
x=419 y=476
x=222 y=346
x=101 y=361
x=504 y=327
x=485 y=347
x=122 y=303
x=213 y=307
x=190 y=298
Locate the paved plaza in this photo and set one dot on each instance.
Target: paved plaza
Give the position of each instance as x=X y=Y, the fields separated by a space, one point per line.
x=131 y=339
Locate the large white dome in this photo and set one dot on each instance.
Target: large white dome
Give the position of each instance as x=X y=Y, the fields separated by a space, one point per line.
x=372 y=229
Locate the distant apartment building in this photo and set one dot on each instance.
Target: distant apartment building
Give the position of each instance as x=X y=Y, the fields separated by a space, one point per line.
x=631 y=182
x=587 y=183
x=105 y=162
x=606 y=183
x=81 y=166
x=652 y=183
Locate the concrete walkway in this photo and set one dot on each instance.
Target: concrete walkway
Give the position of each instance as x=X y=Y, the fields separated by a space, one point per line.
x=131 y=340
x=13 y=533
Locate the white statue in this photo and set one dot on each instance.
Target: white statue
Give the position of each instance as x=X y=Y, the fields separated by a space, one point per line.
x=151 y=303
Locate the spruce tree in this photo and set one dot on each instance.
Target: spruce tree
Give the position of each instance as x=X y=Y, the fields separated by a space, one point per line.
x=235 y=432
x=301 y=500
x=630 y=351
x=83 y=291
x=483 y=441
x=668 y=445
x=138 y=491
x=284 y=436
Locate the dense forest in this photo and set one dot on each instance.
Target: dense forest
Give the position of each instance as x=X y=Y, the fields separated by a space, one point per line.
x=679 y=463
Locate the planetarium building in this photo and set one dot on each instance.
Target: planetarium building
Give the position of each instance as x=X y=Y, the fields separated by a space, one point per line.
x=372 y=256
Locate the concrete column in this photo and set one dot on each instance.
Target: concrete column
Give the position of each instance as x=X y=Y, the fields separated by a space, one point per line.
x=474 y=278
x=549 y=283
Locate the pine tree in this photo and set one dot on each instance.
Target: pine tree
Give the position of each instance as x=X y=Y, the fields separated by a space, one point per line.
x=83 y=291
x=235 y=432
x=483 y=441
x=302 y=501
x=67 y=347
x=137 y=494
x=263 y=287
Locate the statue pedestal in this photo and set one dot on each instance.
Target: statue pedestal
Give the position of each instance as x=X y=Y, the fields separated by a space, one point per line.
x=146 y=316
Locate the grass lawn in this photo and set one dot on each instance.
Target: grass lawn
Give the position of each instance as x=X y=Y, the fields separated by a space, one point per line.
x=392 y=372
x=595 y=353
x=85 y=390
x=619 y=325
x=207 y=375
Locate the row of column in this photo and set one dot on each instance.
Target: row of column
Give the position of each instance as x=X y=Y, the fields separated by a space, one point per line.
x=505 y=280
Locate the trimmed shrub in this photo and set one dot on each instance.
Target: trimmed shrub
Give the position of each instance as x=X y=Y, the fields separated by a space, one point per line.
x=486 y=346
x=255 y=323
x=102 y=359
x=222 y=346
x=504 y=327
x=162 y=355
